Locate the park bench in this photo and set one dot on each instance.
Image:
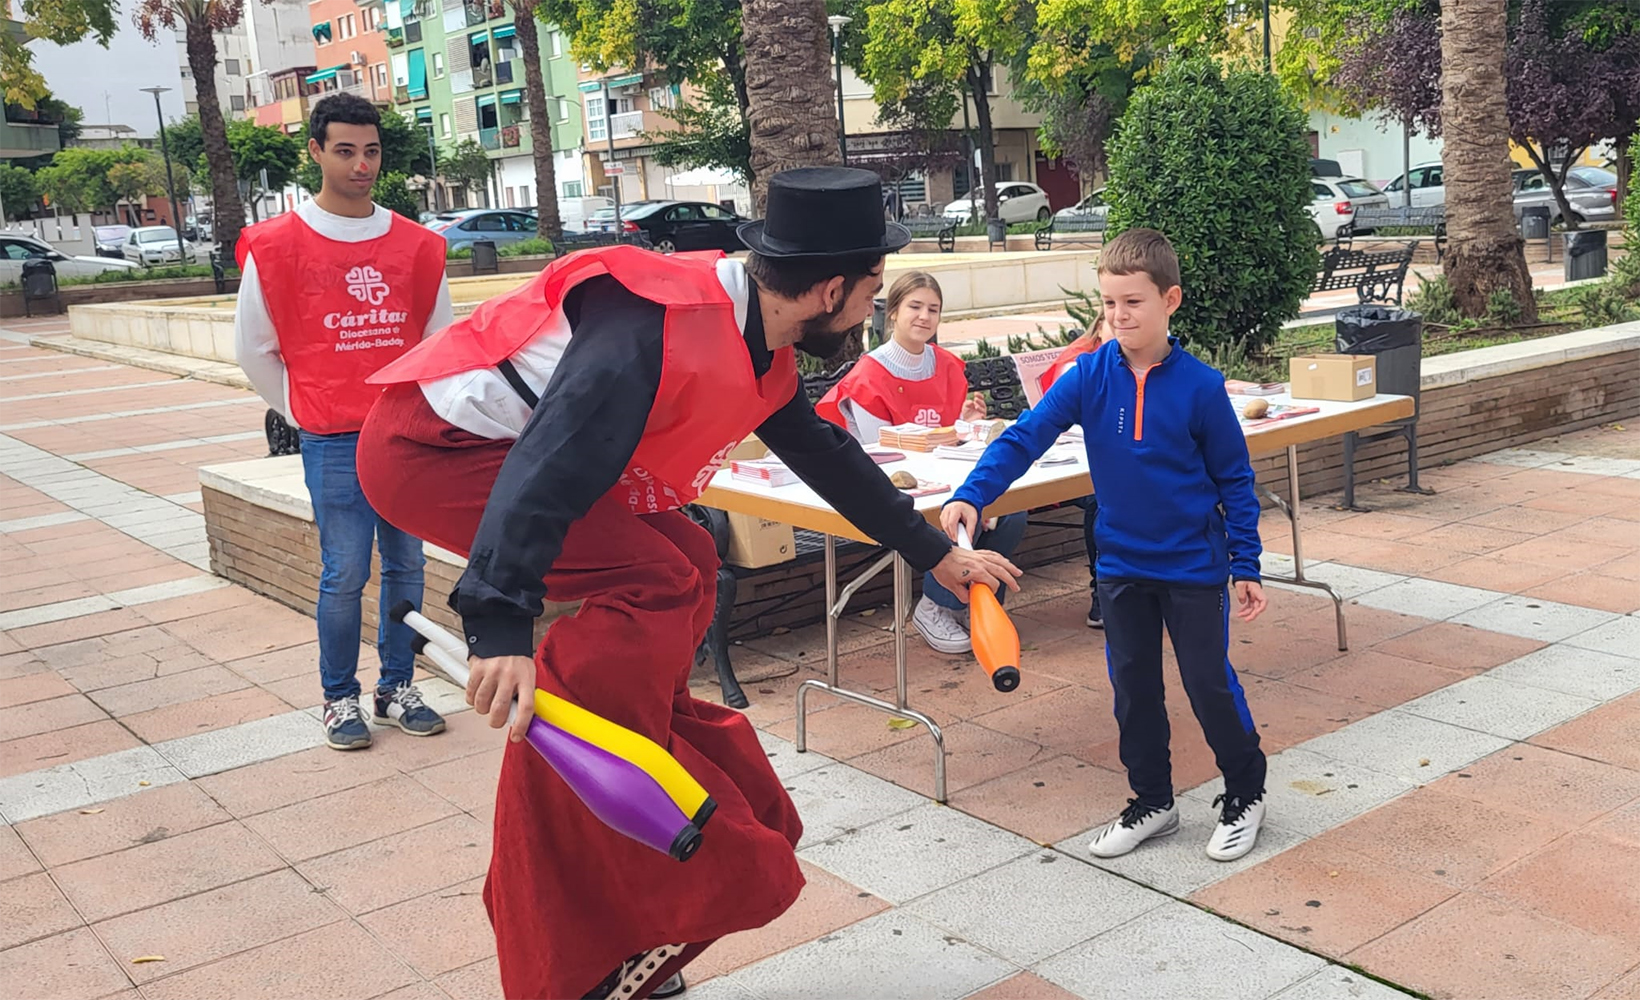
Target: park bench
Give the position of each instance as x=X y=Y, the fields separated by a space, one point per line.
x=1376 y=275
x=925 y=226
x=1079 y=230
x=1373 y=220
x=570 y=242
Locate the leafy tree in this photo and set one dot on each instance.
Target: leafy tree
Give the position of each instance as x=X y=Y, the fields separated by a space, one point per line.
x=78 y=179
x=393 y=193
x=710 y=132
x=694 y=40
x=954 y=45
x=185 y=141
x=130 y=181
x=19 y=191
x=61 y=22
x=257 y=148
x=1247 y=250
x=466 y=163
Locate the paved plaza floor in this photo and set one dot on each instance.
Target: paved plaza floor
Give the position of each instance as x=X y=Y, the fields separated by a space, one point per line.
x=1454 y=803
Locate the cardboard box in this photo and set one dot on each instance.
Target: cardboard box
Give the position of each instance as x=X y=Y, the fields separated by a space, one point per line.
x=1344 y=377
x=749 y=449
x=755 y=543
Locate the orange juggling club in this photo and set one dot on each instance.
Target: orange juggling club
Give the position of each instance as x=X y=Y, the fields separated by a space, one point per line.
x=996 y=641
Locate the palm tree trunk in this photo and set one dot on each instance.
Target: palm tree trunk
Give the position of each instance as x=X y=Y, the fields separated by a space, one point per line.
x=227 y=211
x=549 y=224
x=1484 y=252
x=789 y=89
x=734 y=63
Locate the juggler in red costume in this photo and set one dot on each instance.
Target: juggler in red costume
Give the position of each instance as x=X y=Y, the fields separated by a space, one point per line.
x=552 y=437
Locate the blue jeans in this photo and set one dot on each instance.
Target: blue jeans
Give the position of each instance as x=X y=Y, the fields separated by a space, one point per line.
x=347 y=528
x=1003 y=540
x=1090 y=511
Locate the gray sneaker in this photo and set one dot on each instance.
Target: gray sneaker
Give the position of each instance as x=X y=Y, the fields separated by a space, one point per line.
x=344 y=726
x=941 y=628
x=402 y=706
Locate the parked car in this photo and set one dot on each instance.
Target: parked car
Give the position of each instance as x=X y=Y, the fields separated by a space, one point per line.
x=684 y=225
x=110 y=239
x=1428 y=186
x=575 y=213
x=461 y=229
x=14 y=250
x=151 y=246
x=1016 y=202
x=1591 y=192
x=1093 y=206
x=1335 y=200
x=603 y=220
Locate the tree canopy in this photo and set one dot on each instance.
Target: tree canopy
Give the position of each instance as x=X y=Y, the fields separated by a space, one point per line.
x=62 y=22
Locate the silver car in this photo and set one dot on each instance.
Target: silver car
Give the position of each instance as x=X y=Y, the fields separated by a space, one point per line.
x=1591 y=192
x=151 y=246
x=1094 y=206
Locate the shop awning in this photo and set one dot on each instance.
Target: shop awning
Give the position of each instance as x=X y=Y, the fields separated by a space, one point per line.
x=487 y=101
x=418 y=74
x=424 y=114
x=322 y=30
x=513 y=97
x=505 y=31
x=325 y=74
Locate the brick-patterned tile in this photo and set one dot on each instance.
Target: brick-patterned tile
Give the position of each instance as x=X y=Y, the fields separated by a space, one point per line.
x=827 y=904
x=152 y=815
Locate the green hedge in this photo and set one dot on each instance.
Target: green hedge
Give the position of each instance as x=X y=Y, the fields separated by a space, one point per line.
x=1219 y=161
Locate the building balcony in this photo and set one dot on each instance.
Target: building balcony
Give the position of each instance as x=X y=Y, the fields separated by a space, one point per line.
x=25 y=139
x=483 y=76
x=504 y=72
x=401 y=95
x=489 y=138
x=395 y=38
x=626 y=125
x=511 y=136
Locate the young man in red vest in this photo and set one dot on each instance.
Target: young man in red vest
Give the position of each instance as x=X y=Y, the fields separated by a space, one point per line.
x=329 y=293
x=552 y=437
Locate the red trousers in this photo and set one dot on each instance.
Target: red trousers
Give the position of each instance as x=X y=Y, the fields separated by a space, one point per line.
x=570 y=899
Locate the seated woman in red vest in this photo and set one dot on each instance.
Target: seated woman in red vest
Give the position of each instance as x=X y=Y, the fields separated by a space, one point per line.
x=1086 y=344
x=911 y=380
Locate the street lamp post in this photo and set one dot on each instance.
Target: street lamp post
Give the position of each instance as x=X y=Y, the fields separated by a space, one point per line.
x=165 y=151
x=837 y=21
x=432 y=170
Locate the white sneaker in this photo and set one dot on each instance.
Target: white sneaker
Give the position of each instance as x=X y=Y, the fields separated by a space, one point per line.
x=940 y=628
x=1237 y=831
x=1137 y=824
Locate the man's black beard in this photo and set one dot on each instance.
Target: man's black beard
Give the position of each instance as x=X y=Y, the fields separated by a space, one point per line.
x=817 y=338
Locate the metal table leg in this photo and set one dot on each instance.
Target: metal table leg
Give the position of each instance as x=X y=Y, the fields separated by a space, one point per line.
x=1298 y=579
x=835 y=605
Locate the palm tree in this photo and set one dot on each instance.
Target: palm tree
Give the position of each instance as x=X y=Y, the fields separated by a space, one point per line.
x=198 y=19
x=1484 y=252
x=792 y=99
x=535 y=92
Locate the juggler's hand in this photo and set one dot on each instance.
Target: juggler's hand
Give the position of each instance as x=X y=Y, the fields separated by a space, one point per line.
x=493 y=684
x=962 y=567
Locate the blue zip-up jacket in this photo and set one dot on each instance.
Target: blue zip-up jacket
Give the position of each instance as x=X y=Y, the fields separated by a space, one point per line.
x=1169 y=463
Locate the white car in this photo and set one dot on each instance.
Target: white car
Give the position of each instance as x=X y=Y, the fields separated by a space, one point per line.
x=153 y=246
x=1428 y=186
x=1094 y=206
x=1336 y=199
x=1016 y=202
x=14 y=250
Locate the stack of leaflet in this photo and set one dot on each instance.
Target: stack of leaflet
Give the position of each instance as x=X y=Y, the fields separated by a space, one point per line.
x=915 y=437
x=1059 y=455
x=1238 y=387
x=769 y=471
x=968 y=451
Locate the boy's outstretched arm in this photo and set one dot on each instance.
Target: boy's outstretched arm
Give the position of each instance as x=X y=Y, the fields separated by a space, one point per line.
x=1009 y=456
x=1224 y=449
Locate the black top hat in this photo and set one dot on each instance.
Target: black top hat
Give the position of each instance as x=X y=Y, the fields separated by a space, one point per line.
x=824 y=212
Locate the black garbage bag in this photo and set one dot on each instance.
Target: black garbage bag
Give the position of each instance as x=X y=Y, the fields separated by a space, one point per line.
x=1376 y=329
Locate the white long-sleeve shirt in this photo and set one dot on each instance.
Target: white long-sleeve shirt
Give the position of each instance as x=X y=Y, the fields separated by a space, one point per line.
x=256 y=342
x=902 y=364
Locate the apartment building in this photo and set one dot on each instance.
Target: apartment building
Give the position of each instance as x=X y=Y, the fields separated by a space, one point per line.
x=268 y=36
x=457 y=70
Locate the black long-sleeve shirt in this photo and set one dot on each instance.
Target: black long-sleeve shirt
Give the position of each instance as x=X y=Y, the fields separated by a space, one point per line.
x=581 y=438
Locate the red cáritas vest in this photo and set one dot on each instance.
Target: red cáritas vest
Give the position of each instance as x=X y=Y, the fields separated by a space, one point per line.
x=709 y=398
x=932 y=402
x=1065 y=362
x=342 y=310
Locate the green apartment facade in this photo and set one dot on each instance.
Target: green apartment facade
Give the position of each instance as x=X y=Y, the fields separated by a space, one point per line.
x=457 y=69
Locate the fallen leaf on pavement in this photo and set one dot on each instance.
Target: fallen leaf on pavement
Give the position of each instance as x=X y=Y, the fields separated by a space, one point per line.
x=89 y=812
x=147 y=958
x=900 y=723
x=1423 y=761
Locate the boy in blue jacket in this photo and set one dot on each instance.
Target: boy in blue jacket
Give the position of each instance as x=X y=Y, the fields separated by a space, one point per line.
x=1178 y=516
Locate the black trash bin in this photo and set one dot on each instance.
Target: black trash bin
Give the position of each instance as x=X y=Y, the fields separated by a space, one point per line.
x=1534 y=223
x=1585 y=254
x=484 y=257
x=1395 y=338
x=879 y=321
x=39 y=280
